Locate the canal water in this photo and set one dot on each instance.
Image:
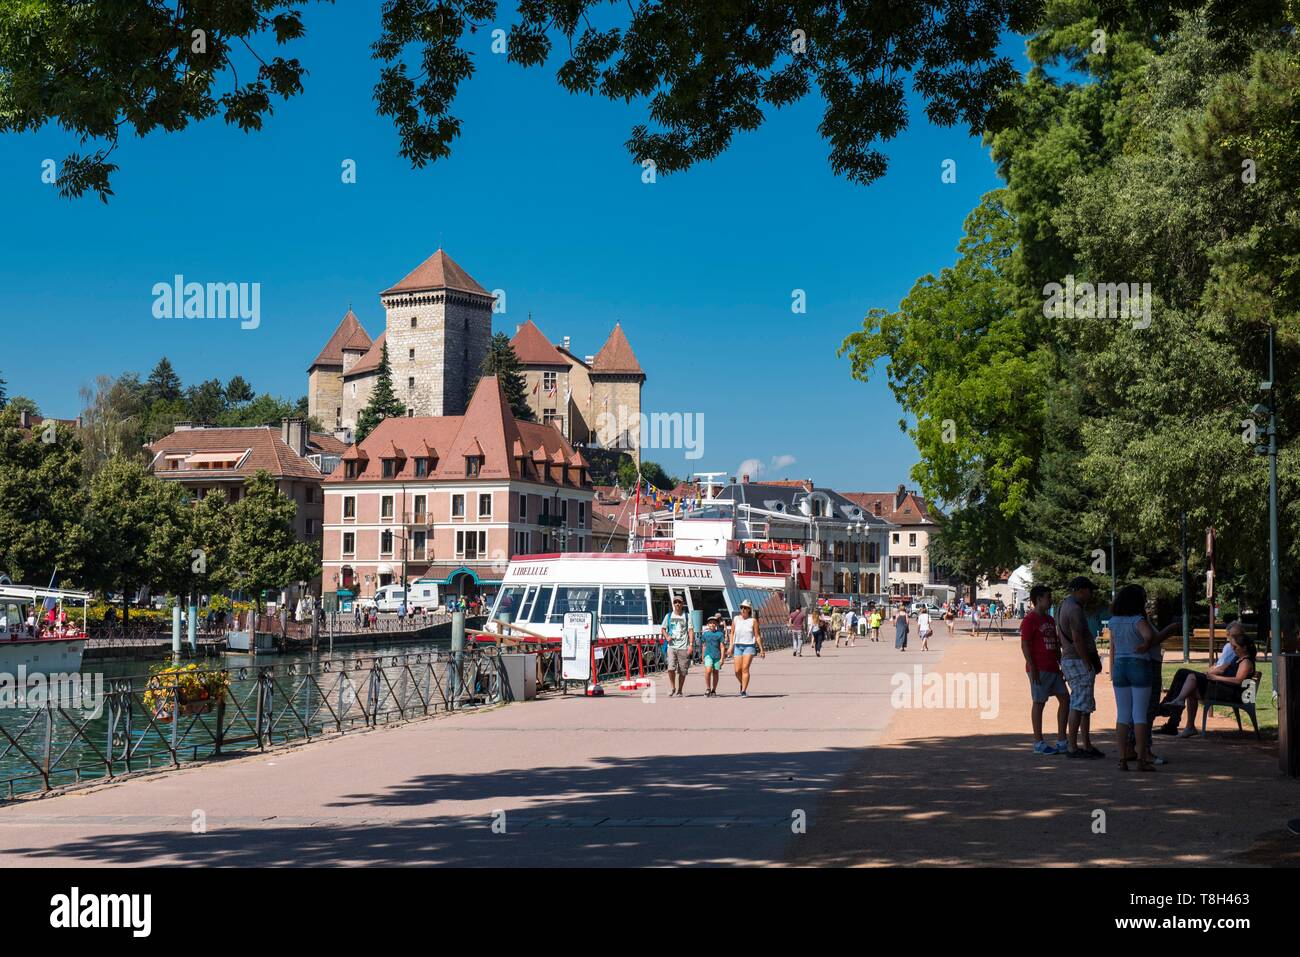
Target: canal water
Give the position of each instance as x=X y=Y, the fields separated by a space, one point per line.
x=79 y=741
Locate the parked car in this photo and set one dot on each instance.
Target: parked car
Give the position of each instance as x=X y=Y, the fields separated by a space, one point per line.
x=928 y=604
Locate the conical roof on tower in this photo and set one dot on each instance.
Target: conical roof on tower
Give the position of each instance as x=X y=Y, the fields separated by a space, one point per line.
x=533 y=348
x=349 y=335
x=616 y=355
x=439 y=271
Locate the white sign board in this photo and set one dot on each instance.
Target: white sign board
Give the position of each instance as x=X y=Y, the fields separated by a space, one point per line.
x=575 y=646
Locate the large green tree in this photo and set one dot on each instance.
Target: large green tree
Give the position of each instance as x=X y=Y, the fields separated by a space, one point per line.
x=114 y=416
x=42 y=502
x=1161 y=156
x=264 y=550
x=126 y=506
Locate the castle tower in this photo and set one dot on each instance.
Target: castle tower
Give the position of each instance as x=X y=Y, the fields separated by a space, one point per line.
x=438 y=332
x=616 y=380
x=325 y=399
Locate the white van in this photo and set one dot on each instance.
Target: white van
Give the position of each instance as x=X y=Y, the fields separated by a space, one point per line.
x=390 y=598
x=423 y=596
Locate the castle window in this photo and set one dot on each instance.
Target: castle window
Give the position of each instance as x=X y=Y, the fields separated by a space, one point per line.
x=413 y=322
x=548 y=382
x=411 y=352
x=410 y=382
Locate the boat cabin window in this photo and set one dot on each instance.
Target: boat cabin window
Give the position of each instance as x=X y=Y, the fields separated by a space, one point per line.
x=624 y=605
x=527 y=604
x=509 y=602
x=537 y=614
x=573 y=598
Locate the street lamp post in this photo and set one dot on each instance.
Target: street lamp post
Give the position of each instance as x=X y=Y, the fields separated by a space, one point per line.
x=1274 y=587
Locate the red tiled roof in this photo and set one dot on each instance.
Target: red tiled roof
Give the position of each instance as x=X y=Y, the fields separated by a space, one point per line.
x=370 y=361
x=328 y=444
x=894 y=506
x=616 y=354
x=359 y=341
x=533 y=348
x=259 y=448
x=348 y=332
x=439 y=271
x=487 y=428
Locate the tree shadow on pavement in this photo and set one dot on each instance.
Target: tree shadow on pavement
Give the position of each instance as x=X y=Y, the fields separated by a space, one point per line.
x=989 y=800
x=974 y=800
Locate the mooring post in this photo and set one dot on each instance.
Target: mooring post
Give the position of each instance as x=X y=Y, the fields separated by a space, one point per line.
x=457 y=653
x=176 y=627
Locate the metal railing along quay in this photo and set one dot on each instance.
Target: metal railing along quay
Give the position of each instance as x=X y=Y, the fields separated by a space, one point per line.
x=147 y=721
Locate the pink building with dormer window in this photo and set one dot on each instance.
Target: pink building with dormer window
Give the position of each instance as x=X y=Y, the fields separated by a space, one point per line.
x=451 y=499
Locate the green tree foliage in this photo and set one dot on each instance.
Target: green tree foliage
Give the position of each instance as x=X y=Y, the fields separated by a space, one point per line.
x=961 y=365
x=163 y=384
x=710 y=70
x=1166 y=155
x=502 y=362
x=206 y=401
x=238 y=390
x=383 y=402
x=651 y=472
x=704 y=70
x=42 y=502
x=262 y=410
x=95 y=69
x=189 y=547
x=21 y=403
x=264 y=551
x=127 y=507
x=114 y=417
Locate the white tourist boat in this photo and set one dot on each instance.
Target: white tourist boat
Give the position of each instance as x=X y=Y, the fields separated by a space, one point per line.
x=630 y=592
x=46 y=646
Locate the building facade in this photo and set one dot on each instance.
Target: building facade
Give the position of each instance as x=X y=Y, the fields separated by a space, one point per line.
x=911 y=573
x=594 y=400
x=451 y=499
x=207 y=459
x=830 y=545
x=437 y=328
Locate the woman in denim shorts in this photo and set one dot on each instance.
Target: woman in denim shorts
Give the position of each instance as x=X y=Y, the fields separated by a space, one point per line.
x=1131 y=638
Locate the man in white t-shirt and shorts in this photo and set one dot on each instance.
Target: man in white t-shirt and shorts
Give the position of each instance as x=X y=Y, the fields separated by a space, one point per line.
x=679 y=634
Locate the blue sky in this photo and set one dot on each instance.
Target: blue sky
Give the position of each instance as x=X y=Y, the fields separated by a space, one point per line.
x=539 y=199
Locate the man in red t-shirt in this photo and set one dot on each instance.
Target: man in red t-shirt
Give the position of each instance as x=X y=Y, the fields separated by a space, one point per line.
x=1042 y=652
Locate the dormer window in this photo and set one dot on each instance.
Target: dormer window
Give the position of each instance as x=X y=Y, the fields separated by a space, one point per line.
x=473 y=465
x=390 y=468
x=421 y=468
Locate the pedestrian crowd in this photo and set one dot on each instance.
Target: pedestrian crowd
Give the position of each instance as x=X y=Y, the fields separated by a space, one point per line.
x=1062 y=663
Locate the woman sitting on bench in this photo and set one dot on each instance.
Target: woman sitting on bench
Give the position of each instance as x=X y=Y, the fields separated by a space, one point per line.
x=1189 y=687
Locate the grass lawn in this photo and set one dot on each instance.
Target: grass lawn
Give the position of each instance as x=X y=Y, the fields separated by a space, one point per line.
x=1265 y=706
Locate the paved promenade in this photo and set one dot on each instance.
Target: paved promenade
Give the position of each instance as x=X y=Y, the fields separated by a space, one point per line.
x=625 y=782
x=615 y=781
